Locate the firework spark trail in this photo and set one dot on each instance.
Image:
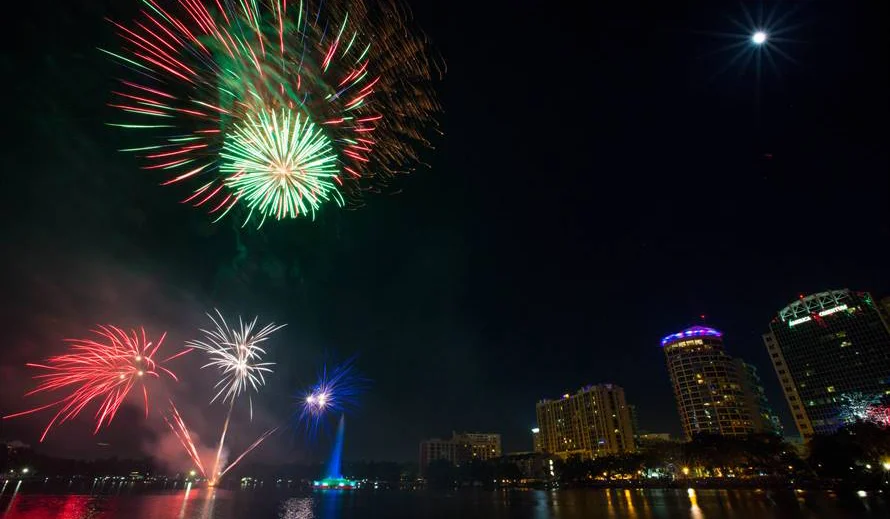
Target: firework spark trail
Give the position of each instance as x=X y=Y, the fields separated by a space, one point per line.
x=253 y=446
x=104 y=369
x=278 y=107
x=237 y=355
x=177 y=425
x=222 y=440
x=179 y=428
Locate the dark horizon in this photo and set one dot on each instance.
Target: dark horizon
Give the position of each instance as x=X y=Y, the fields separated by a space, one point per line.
x=602 y=182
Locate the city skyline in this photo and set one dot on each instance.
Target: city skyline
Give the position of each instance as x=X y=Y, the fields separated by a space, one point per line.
x=756 y=411
x=597 y=186
x=632 y=418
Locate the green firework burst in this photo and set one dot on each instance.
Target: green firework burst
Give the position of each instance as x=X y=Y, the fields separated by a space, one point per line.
x=207 y=83
x=280 y=164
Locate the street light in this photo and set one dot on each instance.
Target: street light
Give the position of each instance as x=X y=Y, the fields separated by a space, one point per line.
x=26 y=470
x=759 y=38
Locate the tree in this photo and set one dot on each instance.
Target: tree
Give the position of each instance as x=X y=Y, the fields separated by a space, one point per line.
x=507 y=470
x=575 y=469
x=850 y=451
x=441 y=474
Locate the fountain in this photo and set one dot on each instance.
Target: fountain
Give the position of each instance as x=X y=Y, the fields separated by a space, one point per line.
x=334 y=480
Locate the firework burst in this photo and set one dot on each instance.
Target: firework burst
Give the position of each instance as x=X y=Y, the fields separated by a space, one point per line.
x=104 y=369
x=237 y=355
x=334 y=392
x=279 y=162
x=274 y=106
x=856 y=406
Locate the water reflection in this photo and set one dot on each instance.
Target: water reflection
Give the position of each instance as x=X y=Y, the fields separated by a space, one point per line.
x=541 y=504
x=610 y=506
x=297 y=508
x=628 y=498
x=21 y=501
x=694 y=510
x=185 y=500
x=209 y=503
x=14 y=494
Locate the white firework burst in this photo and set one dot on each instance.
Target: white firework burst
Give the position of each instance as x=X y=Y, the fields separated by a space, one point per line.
x=237 y=354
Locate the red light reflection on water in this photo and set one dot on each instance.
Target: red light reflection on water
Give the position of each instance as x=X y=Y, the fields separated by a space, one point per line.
x=190 y=503
x=53 y=507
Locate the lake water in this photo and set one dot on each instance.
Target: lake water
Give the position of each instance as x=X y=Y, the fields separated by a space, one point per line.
x=202 y=503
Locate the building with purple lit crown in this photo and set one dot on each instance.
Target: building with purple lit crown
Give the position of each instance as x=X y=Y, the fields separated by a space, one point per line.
x=711 y=388
x=827 y=347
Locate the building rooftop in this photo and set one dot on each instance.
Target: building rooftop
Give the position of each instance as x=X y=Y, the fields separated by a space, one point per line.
x=695 y=331
x=807 y=305
x=588 y=387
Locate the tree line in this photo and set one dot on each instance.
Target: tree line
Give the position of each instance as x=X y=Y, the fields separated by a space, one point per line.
x=857 y=455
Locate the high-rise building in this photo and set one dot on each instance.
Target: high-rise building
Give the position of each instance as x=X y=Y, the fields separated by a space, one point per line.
x=884 y=305
x=634 y=420
x=436 y=449
x=536 y=439
x=765 y=419
x=477 y=446
x=534 y=467
x=461 y=448
x=593 y=422
x=708 y=384
x=826 y=347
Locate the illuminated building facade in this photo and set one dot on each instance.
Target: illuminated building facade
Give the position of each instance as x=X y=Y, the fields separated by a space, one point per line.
x=533 y=466
x=436 y=449
x=593 y=422
x=536 y=440
x=461 y=448
x=826 y=347
x=709 y=385
x=477 y=446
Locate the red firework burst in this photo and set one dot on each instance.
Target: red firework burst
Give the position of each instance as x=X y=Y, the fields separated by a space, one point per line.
x=103 y=369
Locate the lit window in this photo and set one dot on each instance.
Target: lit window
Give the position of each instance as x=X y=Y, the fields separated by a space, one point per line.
x=830 y=389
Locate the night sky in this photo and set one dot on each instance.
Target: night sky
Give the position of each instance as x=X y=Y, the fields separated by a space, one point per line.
x=607 y=175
